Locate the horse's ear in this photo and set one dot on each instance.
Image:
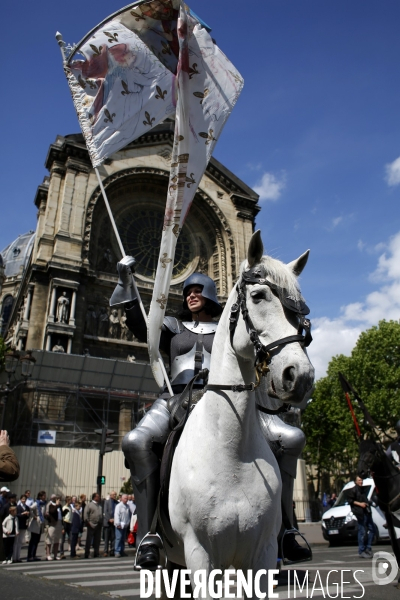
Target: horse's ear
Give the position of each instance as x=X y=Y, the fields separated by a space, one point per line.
x=256 y=249
x=298 y=265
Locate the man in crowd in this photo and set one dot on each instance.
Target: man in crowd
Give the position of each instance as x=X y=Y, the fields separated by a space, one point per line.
x=122 y=519
x=361 y=508
x=29 y=501
x=3 y=495
x=108 y=523
x=93 y=517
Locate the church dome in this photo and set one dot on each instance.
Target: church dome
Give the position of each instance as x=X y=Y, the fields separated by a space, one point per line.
x=16 y=255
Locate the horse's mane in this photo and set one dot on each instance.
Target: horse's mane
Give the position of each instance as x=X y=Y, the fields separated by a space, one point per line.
x=279 y=273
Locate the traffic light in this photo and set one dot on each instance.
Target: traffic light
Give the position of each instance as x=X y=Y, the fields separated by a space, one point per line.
x=104 y=432
x=101 y=480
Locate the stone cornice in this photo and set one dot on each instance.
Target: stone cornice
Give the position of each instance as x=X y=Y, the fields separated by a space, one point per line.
x=247 y=208
x=72 y=150
x=42 y=191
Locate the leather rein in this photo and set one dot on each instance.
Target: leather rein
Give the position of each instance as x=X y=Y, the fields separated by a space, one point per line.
x=256 y=275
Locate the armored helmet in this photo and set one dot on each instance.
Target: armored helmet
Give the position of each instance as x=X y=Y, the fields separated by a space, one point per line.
x=209 y=290
x=397 y=427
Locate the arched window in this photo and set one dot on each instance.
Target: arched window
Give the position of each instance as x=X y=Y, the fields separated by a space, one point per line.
x=6 y=311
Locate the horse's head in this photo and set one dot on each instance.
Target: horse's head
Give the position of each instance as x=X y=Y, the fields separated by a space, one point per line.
x=273 y=319
x=370 y=453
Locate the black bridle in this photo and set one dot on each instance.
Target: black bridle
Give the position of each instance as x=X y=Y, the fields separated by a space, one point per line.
x=257 y=275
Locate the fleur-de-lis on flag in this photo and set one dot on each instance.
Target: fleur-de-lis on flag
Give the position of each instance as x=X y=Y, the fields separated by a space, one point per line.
x=113 y=37
x=202 y=95
x=110 y=117
x=96 y=51
x=190 y=180
x=164 y=260
x=162 y=301
x=174 y=180
x=125 y=91
x=81 y=82
x=208 y=136
x=193 y=70
x=149 y=120
x=161 y=94
x=166 y=49
x=236 y=77
x=137 y=17
x=176 y=230
x=179 y=138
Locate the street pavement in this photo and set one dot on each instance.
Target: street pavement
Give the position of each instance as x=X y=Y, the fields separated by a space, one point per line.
x=333 y=573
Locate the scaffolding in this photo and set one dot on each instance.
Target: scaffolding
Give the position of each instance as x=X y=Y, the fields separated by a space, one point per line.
x=74 y=395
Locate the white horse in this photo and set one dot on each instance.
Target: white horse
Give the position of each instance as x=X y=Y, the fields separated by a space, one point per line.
x=225 y=487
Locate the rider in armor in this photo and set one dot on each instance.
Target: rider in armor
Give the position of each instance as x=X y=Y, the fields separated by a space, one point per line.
x=393 y=450
x=188 y=343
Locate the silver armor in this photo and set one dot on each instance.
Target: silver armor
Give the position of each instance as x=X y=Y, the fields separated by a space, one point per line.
x=183 y=367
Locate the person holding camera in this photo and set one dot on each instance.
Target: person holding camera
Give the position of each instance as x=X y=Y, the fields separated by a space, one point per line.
x=361 y=508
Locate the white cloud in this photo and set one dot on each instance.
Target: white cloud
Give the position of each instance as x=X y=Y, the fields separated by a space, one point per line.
x=361 y=245
x=338 y=336
x=393 y=172
x=336 y=221
x=270 y=186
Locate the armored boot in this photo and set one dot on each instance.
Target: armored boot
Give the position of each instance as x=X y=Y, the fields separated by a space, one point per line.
x=291 y=550
x=146 y=493
x=144 y=465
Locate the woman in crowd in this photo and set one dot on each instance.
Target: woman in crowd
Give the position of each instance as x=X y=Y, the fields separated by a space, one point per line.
x=36 y=525
x=54 y=518
x=22 y=515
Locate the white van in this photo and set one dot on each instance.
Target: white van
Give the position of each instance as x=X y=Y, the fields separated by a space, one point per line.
x=340 y=525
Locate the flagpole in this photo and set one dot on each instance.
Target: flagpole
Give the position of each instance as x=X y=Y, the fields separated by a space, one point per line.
x=61 y=44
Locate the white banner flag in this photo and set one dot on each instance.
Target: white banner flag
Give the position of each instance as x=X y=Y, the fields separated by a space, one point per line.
x=208 y=87
x=149 y=61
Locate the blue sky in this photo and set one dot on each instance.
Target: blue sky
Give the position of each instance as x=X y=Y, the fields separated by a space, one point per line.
x=316 y=132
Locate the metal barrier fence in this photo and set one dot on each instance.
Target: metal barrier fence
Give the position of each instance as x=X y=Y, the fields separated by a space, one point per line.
x=308 y=511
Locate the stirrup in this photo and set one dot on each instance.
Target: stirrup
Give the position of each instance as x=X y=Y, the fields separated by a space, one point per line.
x=155 y=539
x=295 y=532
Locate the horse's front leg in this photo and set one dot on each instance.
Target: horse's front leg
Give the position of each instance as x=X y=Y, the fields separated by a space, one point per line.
x=267 y=562
x=198 y=562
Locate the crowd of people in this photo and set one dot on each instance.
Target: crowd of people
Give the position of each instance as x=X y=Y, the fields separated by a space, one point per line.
x=26 y=519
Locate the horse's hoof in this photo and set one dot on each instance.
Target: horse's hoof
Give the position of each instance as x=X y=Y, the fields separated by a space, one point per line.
x=148 y=558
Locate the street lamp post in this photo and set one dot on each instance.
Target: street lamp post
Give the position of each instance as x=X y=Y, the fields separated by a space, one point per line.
x=11 y=361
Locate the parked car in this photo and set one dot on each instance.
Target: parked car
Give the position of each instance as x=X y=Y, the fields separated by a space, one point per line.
x=339 y=523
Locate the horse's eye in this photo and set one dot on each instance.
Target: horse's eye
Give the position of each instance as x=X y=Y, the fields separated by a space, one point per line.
x=257 y=296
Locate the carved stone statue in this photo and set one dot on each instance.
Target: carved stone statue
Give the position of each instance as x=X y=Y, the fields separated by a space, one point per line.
x=103 y=323
x=114 y=325
x=62 y=308
x=124 y=328
x=91 y=321
x=58 y=347
x=130 y=358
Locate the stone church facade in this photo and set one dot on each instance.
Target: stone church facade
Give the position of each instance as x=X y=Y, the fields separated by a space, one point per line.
x=72 y=272
x=55 y=282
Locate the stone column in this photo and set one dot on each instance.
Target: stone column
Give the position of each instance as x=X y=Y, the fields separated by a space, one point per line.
x=73 y=308
x=28 y=303
x=125 y=410
x=48 y=342
x=53 y=304
x=69 y=346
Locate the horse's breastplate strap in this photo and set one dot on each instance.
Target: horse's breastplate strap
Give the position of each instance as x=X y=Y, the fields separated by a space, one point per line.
x=183 y=367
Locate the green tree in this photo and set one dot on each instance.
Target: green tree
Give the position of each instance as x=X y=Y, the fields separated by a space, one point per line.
x=373 y=369
x=127 y=487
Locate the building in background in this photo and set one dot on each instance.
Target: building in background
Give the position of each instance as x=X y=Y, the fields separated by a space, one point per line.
x=57 y=281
